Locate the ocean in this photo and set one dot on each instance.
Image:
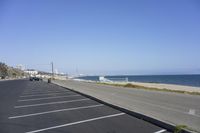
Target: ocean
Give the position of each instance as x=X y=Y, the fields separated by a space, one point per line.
x=188 y=80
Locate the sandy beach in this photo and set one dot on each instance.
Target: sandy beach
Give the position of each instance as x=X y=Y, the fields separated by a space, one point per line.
x=169 y=86
x=164 y=86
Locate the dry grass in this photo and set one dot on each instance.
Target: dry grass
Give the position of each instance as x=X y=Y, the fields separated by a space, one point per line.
x=129 y=85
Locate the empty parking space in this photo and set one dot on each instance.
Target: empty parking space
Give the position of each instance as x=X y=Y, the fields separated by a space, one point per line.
x=36 y=110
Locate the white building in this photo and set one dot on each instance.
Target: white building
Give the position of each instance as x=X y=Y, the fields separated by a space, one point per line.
x=31 y=72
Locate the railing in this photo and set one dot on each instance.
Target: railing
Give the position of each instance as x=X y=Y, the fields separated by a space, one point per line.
x=103 y=79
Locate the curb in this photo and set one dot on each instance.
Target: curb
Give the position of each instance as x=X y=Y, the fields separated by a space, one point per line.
x=167 y=126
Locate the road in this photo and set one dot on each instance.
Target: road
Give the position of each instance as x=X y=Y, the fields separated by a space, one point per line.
x=32 y=107
x=173 y=108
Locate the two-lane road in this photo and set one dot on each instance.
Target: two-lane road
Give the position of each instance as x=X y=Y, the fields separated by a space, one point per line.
x=32 y=107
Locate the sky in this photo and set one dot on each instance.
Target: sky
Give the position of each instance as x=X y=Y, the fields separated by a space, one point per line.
x=109 y=37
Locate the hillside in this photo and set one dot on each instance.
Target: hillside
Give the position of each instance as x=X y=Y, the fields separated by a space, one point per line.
x=10 y=72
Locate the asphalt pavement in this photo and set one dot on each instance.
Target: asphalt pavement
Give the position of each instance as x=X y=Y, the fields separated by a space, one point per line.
x=169 y=107
x=33 y=107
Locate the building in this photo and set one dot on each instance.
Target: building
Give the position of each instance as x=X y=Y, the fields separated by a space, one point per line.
x=31 y=72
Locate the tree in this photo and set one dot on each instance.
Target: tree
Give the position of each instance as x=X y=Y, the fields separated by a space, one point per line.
x=14 y=75
x=3 y=70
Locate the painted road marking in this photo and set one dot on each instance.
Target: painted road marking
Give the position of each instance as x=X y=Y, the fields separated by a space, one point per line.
x=35 y=99
x=36 y=90
x=75 y=123
x=161 y=131
x=59 y=102
x=55 y=111
x=45 y=94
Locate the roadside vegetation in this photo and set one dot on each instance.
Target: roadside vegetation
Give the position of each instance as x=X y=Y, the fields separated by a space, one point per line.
x=7 y=72
x=130 y=85
x=179 y=128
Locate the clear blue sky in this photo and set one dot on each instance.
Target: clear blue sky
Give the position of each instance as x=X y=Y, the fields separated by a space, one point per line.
x=102 y=36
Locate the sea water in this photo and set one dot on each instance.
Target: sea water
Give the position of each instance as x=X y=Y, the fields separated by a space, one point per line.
x=188 y=80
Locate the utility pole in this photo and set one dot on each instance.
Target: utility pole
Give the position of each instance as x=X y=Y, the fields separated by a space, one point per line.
x=52 y=70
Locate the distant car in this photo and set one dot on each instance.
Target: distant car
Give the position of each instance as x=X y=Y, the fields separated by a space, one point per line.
x=35 y=79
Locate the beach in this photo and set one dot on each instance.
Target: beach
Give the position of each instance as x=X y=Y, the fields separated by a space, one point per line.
x=150 y=86
x=168 y=86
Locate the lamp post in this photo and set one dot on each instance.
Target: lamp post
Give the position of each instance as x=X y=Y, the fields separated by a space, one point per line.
x=52 y=69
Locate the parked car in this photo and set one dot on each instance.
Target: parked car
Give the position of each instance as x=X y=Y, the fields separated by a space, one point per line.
x=35 y=79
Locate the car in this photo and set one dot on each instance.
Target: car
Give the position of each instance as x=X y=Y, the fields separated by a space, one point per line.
x=35 y=79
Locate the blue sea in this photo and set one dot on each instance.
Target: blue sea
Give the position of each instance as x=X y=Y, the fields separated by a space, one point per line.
x=188 y=80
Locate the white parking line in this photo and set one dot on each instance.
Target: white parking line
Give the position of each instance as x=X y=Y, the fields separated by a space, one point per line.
x=39 y=90
x=46 y=94
x=55 y=111
x=75 y=123
x=59 y=102
x=160 y=131
x=43 y=92
x=35 y=99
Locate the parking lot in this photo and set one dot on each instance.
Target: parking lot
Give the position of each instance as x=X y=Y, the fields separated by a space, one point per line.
x=43 y=107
